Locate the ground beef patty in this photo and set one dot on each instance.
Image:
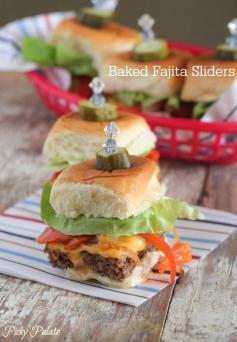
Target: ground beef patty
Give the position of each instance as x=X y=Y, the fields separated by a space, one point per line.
x=58 y=258
x=116 y=269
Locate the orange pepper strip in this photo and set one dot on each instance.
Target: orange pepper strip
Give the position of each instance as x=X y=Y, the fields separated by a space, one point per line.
x=182 y=253
x=159 y=243
x=154 y=155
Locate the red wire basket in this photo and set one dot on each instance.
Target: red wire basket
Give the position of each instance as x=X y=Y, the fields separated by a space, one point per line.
x=176 y=138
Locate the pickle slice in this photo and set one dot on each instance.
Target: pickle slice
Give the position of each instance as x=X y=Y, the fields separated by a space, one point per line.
x=151 y=50
x=226 y=53
x=113 y=161
x=90 y=112
x=96 y=18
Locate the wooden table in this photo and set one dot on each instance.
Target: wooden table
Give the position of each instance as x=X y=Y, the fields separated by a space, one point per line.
x=201 y=308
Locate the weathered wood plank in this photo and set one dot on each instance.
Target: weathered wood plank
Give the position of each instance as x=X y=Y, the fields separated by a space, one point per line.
x=80 y=318
x=220 y=190
x=204 y=306
x=184 y=180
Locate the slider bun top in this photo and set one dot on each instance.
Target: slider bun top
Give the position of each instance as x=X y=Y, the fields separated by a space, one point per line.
x=97 y=43
x=77 y=139
x=83 y=190
x=207 y=88
x=160 y=86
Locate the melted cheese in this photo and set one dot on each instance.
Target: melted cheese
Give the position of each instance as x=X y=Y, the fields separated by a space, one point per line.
x=125 y=246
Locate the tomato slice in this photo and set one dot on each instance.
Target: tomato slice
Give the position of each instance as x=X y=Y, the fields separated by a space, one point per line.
x=182 y=253
x=159 y=243
x=154 y=155
x=52 y=235
x=76 y=242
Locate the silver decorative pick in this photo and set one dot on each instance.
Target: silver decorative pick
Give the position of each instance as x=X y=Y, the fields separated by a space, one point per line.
x=146 y=23
x=97 y=87
x=107 y=5
x=111 y=132
x=232 y=39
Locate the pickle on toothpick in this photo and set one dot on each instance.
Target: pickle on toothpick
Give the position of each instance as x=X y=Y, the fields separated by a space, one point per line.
x=226 y=53
x=96 y=18
x=150 y=50
x=113 y=161
x=91 y=112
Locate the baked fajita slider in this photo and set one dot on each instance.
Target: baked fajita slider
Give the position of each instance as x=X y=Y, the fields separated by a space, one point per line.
x=81 y=44
x=140 y=77
x=78 y=136
x=208 y=77
x=107 y=218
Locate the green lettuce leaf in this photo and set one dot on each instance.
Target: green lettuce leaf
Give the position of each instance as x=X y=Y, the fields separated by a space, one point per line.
x=161 y=217
x=174 y=101
x=38 y=51
x=132 y=98
x=76 y=62
x=200 y=109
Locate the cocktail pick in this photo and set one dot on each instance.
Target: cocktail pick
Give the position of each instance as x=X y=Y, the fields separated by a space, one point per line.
x=146 y=23
x=232 y=39
x=106 y=5
x=111 y=132
x=97 y=87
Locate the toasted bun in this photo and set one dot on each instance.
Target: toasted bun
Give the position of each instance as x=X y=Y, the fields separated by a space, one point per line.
x=160 y=86
x=138 y=275
x=83 y=190
x=96 y=43
x=72 y=138
x=207 y=88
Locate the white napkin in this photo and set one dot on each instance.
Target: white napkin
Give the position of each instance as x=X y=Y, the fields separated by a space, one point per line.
x=224 y=109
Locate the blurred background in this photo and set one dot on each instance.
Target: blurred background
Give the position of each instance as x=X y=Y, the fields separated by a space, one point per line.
x=200 y=22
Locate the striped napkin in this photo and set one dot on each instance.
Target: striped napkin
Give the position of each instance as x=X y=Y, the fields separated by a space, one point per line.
x=21 y=257
x=39 y=26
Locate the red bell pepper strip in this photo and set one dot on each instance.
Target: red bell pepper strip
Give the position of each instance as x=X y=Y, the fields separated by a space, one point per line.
x=154 y=155
x=159 y=243
x=54 y=176
x=182 y=254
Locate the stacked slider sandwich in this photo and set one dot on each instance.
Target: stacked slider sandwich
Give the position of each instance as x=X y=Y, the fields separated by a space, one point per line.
x=107 y=217
x=78 y=136
x=208 y=77
x=82 y=44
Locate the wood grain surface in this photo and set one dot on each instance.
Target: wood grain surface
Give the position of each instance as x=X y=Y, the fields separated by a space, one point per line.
x=203 y=306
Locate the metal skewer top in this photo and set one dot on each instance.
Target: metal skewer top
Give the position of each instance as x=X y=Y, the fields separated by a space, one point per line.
x=111 y=132
x=107 y=5
x=146 y=23
x=232 y=39
x=97 y=87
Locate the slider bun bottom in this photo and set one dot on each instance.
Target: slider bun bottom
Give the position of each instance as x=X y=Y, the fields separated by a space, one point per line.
x=138 y=275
